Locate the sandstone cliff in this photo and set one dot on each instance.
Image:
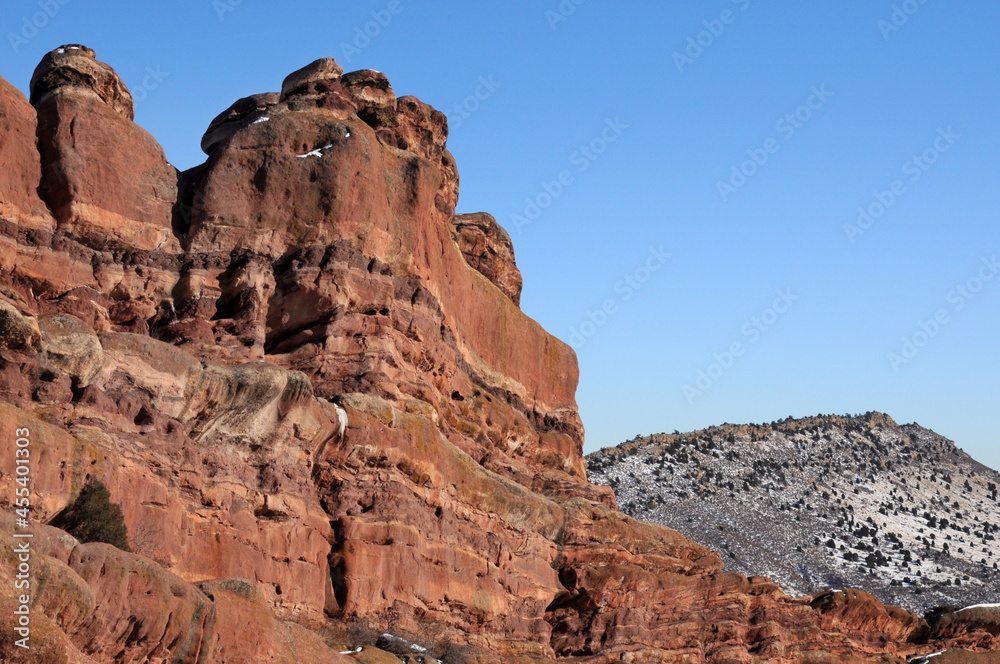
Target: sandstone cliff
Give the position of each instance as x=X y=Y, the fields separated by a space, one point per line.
x=184 y=337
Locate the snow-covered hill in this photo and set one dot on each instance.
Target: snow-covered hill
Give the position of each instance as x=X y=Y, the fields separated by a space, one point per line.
x=824 y=502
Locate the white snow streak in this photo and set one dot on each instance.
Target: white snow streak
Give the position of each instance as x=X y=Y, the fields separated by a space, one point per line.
x=980 y=606
x=318 y=152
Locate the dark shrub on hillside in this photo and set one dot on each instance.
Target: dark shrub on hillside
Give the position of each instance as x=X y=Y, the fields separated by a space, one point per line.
x=94 y=518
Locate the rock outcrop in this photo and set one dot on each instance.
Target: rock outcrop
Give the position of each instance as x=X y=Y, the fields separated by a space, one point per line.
x=487 y=248
x=184 y=338
x=106 y=180
x=22 y=168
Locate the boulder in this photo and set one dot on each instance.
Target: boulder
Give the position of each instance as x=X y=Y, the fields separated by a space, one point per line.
x=243 y=112
x=106 y=180
x=487 y=249
x=318 y=85
x=75 y=67
x=374 y=98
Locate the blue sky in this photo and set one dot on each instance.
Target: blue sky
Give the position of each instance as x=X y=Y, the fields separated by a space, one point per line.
x=628 y=128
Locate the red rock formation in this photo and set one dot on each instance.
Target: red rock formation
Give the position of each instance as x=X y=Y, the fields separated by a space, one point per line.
x=487 y=248
x=242 y=113
x=21 y=165
x=182 y=337
x=105 y=179
x=967 y=625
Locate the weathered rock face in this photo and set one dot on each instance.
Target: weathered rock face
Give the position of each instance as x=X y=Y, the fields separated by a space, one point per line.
x=967 y=624
x=93 y=603
x=76 y=66
x=182 y=337
x=21 y=165
x=105 y=179
x=488 y=249
x=242 y=113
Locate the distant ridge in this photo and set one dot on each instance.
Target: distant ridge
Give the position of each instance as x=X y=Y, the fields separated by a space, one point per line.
x=824 y=501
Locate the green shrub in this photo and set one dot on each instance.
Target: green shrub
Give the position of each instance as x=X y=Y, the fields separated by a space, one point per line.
x=94 y=518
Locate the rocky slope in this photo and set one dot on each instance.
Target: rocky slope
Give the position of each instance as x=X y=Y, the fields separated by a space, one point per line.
x=824 y=502
x=185 y=338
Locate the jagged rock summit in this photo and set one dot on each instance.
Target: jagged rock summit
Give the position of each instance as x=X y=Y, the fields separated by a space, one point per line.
x=187 y=338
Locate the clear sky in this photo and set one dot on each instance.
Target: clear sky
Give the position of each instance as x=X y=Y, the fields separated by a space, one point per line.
x=688 y=161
